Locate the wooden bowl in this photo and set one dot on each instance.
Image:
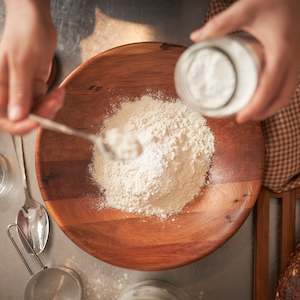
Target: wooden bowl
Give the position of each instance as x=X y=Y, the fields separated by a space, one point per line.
x=128 y=240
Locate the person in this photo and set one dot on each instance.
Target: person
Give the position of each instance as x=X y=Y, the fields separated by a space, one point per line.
x=26 y=53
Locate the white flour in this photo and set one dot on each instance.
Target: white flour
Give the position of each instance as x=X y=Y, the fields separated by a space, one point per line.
x=123 y=145
x=211 y=78
x=172 y=169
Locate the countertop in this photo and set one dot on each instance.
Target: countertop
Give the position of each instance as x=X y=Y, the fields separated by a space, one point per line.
x=86 y=27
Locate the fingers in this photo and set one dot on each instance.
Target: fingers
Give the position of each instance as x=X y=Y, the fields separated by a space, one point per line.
x=271 y=82
x=285 y=95
x=48 y=107
x=5 y=124
x=40 y=88
x=234 y=18
x=51 y=103
x=20 y=128
x=20 y=89
x=3 y=86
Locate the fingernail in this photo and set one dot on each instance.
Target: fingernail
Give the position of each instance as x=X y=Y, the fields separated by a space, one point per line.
x=241 y=120
x=15 y=113
x=194 y=35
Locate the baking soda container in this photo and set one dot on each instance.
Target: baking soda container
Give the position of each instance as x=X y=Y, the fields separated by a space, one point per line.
x=218 y=77
x=154 y=290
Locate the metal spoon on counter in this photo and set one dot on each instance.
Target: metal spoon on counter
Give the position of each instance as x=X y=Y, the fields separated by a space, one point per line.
x=32 y=218
x=108 y=146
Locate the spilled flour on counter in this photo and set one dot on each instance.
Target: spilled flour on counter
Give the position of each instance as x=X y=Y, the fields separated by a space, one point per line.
x=172 y=169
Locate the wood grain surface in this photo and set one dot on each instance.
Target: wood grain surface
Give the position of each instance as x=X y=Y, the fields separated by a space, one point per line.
x=129 y=240
x=261 y=270
x=288 y=225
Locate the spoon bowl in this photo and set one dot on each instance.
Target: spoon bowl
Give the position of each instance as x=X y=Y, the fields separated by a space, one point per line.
x=34 y=222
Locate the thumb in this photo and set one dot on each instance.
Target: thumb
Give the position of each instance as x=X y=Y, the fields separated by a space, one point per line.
x=232 y=19
x=20 y=90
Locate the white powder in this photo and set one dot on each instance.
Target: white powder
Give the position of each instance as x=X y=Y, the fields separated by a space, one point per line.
x=211 y=78
x=218 y=77
x=122 y=144
x=171 y=170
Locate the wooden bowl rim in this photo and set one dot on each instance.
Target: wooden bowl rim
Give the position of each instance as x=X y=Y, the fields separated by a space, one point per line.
x=192 y=258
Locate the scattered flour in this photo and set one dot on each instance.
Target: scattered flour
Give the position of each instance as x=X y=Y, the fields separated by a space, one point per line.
x=172 y=169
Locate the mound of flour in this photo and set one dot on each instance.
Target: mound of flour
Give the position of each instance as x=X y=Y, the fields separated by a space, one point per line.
x=177 y=150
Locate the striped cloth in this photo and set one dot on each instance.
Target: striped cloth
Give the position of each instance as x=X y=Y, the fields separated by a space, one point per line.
x=282 y=135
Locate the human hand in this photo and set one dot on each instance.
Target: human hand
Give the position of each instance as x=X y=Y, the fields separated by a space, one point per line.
x=26 y=52
x=276 y=25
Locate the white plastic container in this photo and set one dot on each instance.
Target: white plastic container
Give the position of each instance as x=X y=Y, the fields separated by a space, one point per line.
x=219 y=77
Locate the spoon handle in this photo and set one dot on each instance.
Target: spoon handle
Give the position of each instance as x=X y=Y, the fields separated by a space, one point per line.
x=28 y=198
x=58 y=127
x=23 y=165
x=20 y=155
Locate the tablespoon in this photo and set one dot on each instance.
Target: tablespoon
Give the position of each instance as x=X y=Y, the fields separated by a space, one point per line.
x=105 y=146
x=32 y=218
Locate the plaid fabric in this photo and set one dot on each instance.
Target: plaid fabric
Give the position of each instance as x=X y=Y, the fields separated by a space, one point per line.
x=281 y=132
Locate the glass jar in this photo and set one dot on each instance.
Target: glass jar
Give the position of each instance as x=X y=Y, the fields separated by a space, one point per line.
x=218 y=77
x=5 y=176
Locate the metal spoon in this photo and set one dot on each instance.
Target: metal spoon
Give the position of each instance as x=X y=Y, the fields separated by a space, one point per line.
x=32 y=217
x=99 y=141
